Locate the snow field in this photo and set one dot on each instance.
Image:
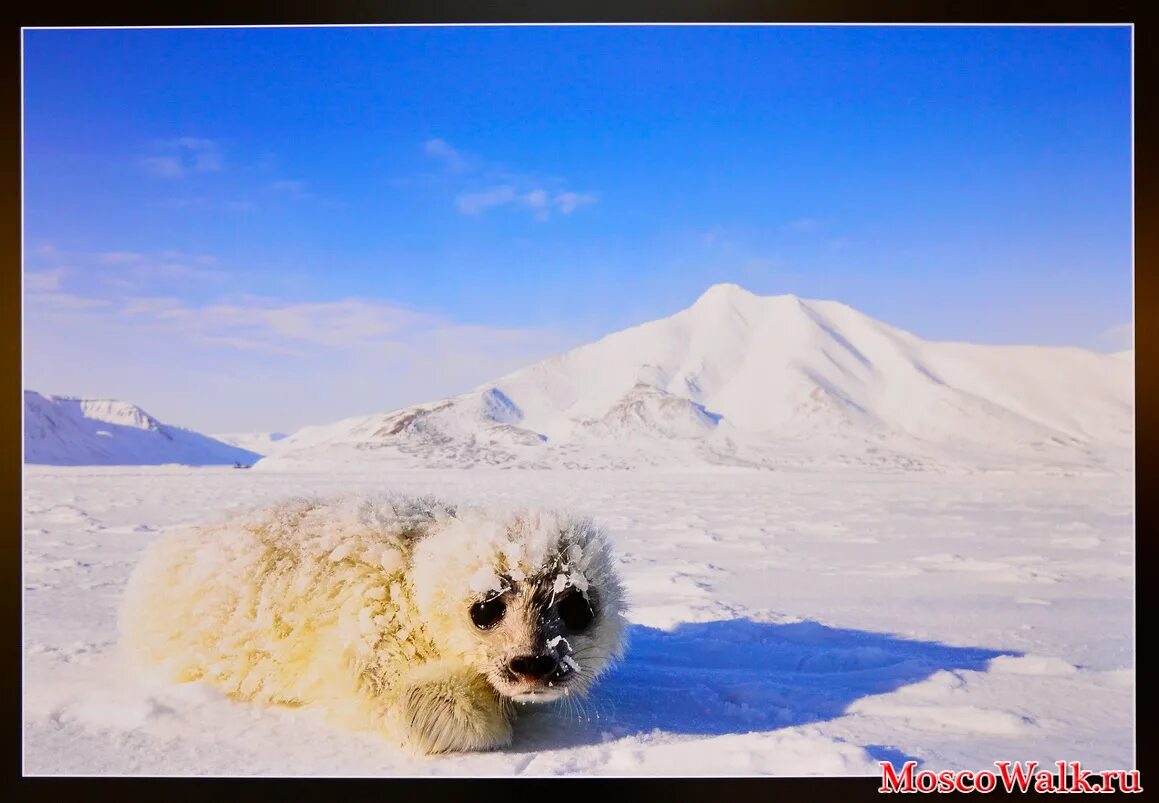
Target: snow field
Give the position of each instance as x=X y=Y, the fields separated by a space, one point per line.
x=786 y=623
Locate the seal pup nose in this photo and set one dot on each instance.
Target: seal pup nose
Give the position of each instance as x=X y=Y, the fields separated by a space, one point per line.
x=533 y=667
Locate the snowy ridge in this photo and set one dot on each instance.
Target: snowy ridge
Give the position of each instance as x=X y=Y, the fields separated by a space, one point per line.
x=64 y=431
x=647 y=411
x=750 y=380
x=262 y=443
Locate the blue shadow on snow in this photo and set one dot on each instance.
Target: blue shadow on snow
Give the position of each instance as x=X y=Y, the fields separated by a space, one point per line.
x=741 y=676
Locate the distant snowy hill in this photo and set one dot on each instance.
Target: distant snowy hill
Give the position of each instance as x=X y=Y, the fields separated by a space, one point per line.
x=64 y=431
x=742 y=379
x=262 y=443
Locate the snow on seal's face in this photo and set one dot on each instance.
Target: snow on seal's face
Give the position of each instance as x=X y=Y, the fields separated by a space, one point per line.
x=531 y=602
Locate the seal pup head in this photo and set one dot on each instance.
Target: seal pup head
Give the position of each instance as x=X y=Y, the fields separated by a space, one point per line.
x=530 y=600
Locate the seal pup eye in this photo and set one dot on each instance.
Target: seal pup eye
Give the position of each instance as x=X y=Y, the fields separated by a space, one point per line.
x=575 y=612
x=487 y=613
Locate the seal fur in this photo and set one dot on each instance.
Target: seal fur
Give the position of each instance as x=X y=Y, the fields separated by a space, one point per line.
x=368 y=607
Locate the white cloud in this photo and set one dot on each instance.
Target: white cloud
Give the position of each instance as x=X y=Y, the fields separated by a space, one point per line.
x=149 y=306
x=536 y=199
x=178 y=158
x=280 y=326
x=568 y=202
x=181 y=256
x=714 y=236
x=113 y=274
x=805 y=225
x=1118 y=338
x=179 y=270
x=128 y=270
x=202 y=153
x=443 y=152
x=539 y=200
x=46 y=251
x=266 y=363
x=67 y=302
x=120 y=258
x=163 y=166
x=294 y=189
x=43 y=280
x=473 y=203
x=349 y=323
x=538 y=195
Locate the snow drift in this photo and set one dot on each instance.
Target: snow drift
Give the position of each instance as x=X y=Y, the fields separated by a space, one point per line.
x=764 y=380
x=63 y=431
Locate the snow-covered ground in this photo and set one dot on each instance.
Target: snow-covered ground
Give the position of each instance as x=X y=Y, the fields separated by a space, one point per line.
x=786 y=622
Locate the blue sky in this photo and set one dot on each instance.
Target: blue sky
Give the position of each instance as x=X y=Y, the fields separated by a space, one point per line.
x=253 y=229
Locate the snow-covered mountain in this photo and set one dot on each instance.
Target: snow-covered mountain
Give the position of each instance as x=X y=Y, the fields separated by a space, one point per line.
x=744 y=379
x=63 y=431
x=262 y=443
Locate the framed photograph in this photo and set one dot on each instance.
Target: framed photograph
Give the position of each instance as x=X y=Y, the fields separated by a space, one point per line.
x=650 y=400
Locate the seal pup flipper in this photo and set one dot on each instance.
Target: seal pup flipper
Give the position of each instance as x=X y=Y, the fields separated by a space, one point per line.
x=445 y=708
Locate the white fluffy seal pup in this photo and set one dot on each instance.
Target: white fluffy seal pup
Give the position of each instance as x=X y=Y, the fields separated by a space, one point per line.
x=420 y=619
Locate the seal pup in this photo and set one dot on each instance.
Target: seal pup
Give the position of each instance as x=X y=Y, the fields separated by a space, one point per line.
x=423 y=620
